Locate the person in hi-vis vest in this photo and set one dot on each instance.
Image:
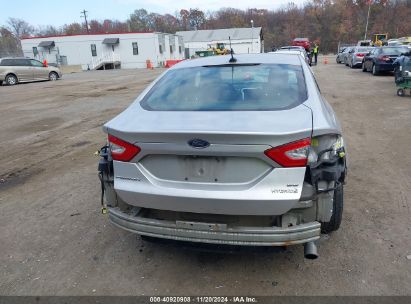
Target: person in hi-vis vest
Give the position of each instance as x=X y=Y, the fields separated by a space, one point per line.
x=315 y=51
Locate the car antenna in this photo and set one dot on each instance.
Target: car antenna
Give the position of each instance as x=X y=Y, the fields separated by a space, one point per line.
x=232 y=59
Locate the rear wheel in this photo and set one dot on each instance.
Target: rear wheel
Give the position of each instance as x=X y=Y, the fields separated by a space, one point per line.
x=338 y=206
x=11 y=79
x=364 y=69
x=53 y=76
x=401 y=92
x=374 y=70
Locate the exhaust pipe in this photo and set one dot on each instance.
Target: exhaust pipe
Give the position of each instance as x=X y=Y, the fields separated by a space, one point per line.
x=310 y=251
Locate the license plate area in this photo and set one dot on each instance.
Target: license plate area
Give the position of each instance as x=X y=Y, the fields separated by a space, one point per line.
x=202 y=168
x=207 y=169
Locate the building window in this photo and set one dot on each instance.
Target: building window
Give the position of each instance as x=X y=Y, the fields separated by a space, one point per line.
x=93 y=50
x=160 y=47
x=35 y=51
x=135 y=48
x=171 y=49
x=180 y=49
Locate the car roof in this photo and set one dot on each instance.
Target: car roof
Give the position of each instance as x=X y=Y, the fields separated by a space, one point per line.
x=263 y=58
x=287 y=51
x=14 y=58
x=291 y=46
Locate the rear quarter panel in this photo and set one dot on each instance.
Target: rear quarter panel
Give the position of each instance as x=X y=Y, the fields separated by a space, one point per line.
x=324 y=118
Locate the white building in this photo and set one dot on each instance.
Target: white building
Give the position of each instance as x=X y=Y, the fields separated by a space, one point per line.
x=243 y=40
x=104 y=51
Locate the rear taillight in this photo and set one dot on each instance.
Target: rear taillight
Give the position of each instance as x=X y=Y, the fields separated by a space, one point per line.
x=360 y=55
x=384 y=58
x=294 y=154
x=122 y=150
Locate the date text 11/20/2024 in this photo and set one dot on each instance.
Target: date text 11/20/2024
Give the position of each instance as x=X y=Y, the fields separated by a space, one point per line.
x=205 y=299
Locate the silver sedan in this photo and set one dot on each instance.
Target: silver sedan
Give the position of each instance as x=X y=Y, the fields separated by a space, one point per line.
x=356 y=56
x=222 y=150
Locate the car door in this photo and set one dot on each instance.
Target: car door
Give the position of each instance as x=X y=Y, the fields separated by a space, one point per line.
x=40 y=71
x=374 y=56
x=350 y=56
x=368 y=60
x=23 y=69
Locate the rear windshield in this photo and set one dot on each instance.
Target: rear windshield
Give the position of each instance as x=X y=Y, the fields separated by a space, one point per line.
x=363 y=50
x=228 y=88
x=393 y=50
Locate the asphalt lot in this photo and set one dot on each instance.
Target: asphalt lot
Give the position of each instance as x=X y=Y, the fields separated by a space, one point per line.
x=54 y=241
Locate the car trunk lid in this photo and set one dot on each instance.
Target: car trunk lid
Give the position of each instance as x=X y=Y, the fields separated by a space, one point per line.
x=273 y=128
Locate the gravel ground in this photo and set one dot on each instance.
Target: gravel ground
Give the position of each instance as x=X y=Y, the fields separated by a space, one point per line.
x=54 y=241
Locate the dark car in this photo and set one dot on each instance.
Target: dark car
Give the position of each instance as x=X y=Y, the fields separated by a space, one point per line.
x=381 y=59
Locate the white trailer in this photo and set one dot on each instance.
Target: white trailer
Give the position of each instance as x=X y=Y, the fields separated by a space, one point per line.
x=104 y=51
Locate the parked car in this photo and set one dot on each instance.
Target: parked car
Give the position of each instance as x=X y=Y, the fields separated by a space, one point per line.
x=304 y=42
x=15 y=70
x=339 y=54
x=240 y=151
x=364 y=43
x=345 y=54
x=296 y=50
x=356 y=55
x=292 y=47
x=393 y=42
x=381 y=59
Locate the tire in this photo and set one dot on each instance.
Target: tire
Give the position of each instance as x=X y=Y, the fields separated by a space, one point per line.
x=1 y=82
x=53 y=76
x=401 y=92
x=11 y=79
x=364 y=69
x=374 y=70
x=338 y=206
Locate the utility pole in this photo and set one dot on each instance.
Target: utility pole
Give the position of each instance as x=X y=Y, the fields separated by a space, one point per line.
x=84 y=15
x=368 y=17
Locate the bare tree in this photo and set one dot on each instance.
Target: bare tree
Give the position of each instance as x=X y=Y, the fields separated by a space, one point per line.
x=9 y=44
x=19 y=27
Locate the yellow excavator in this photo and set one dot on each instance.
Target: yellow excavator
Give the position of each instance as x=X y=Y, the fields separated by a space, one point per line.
x=379 y=39
x=218 y=49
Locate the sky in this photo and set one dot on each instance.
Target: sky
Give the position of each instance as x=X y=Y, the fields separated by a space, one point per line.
x=59 y=12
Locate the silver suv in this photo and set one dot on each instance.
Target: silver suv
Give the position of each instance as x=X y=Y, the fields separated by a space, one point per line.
x=15 y=70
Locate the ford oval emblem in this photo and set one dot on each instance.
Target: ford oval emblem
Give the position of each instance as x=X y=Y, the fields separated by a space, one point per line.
x=198 y=143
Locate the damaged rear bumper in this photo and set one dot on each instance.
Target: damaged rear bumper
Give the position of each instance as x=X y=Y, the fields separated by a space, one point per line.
x=214 y=233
